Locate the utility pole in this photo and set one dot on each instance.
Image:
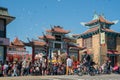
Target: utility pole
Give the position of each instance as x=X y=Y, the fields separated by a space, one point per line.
x=99 y=28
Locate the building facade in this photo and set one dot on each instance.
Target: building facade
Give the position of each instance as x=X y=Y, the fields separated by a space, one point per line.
x=38 y=48
x=16 y=51
x=59 y=43
x=5 y=19
x=100 y=41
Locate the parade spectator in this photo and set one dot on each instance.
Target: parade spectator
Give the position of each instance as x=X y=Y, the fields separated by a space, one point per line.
x=116 y=68
x=69 y=66
x=63 y=68
x=5 y=69
x=108 y=65
x=75 y=63
x=14 y=69
x=55 y=67
x=23 y=67
x=19 y=67
x=44 y=66
x=1 y=73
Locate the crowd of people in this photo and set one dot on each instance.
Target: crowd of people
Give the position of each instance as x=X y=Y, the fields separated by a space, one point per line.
x=43 y=67
x=24 y=68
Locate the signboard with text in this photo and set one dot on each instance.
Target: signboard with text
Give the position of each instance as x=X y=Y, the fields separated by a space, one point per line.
x=102 y=38
x=4 y=41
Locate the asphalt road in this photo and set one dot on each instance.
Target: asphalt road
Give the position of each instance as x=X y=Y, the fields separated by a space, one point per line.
x=65 y=77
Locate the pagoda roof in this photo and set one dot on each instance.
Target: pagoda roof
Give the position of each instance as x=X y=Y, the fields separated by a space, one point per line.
x=35 y=43
x=75 y=35
x=5 y=15
x=108 y=30
x=17 y=42
x=99 y=18
x=58 y=29
x=11 y=45
x=39 y=43
x=96 y=29
x=91 y=30
x=74 y=46
x=69 y=38
x=47 y=36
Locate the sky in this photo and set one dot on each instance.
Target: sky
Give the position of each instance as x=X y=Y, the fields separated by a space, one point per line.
x=36 y=16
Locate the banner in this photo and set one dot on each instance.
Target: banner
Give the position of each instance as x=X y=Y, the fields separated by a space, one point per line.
x=102 y=37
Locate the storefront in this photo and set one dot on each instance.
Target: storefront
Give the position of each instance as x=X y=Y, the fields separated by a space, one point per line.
x=5 y=19
x=1 y=53
x=113 y=56
x=101 y=39
x=3 y=44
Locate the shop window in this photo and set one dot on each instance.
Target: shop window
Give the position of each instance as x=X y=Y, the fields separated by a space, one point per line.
x=111 y=43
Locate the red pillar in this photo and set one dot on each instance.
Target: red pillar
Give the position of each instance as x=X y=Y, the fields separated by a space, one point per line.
x=78 y=56
x=33 y=53
x=47 y=56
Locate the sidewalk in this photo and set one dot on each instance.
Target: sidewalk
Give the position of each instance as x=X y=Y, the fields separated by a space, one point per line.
x=47 y=77
x=65 y=77
x=27 y=78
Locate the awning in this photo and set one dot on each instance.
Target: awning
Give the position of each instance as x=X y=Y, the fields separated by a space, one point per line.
x=113 y=52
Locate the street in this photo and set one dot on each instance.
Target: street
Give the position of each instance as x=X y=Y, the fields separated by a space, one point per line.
x=65 y=77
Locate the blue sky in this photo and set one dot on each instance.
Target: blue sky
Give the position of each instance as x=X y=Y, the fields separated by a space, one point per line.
x=35 y=16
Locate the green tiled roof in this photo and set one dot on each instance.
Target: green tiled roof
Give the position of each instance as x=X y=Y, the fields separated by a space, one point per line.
x=4 y=11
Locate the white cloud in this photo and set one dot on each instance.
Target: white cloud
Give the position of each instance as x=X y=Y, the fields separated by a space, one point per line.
x=58 y=0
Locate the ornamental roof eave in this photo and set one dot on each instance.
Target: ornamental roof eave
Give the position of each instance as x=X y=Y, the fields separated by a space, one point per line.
x=36 y=43
x=17 y=42
x=62 y=32
x=71 y=38
x=100 y=19
x=47 y=37
x=13 y=45
x=89 y=32
x=5 y=15
x=108 y=30
x=58 y=29
x=95 y=31
x=39 y=43
x=91 y=22
x=111 y=31
x=8 y=18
